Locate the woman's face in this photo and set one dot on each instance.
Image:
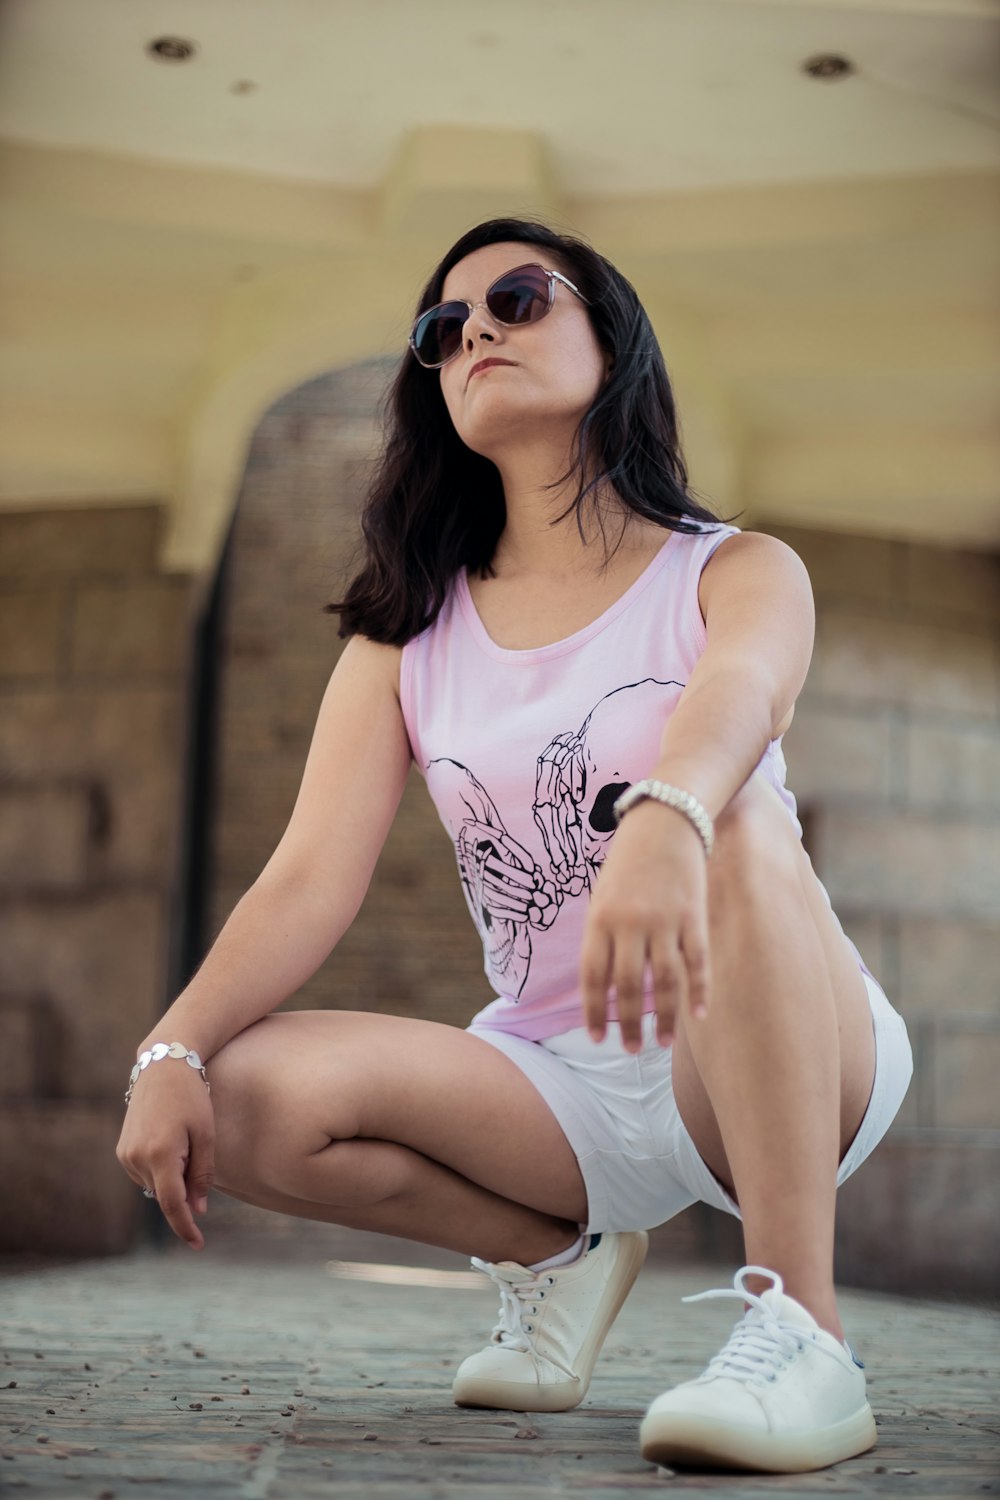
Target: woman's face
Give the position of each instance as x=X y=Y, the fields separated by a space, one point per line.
x=554 y=368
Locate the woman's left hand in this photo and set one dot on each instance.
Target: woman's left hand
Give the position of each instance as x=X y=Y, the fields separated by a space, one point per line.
x=648 y=909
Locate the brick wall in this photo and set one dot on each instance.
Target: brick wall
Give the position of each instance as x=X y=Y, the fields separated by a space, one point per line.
x=94 y=649
x=894 y=756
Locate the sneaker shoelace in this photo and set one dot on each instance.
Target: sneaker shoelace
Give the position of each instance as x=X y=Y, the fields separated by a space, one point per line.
x=518 y=1303
x=757 y=1351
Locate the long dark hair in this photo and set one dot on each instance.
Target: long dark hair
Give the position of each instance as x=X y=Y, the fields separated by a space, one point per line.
x=434 y=506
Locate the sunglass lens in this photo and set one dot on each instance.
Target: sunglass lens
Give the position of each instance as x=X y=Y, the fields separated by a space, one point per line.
x=438 y=334
x=522 y=296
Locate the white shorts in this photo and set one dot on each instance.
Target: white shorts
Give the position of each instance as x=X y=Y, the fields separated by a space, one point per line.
x=618 y=1112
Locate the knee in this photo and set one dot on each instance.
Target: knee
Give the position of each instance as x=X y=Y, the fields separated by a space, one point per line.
x=239 y=1077
x=756 y=845
x=269 y=1114
x=239 y=1099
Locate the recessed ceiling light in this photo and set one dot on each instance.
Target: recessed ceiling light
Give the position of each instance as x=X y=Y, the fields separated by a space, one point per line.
x=172 y=49
x=828 y=65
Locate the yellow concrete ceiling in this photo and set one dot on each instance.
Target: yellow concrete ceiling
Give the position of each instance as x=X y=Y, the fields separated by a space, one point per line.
x=182 y=241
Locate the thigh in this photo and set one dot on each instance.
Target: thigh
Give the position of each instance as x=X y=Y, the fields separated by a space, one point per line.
x=299 y=1080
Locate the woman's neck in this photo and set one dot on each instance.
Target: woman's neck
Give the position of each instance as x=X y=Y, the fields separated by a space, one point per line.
x=531 y=545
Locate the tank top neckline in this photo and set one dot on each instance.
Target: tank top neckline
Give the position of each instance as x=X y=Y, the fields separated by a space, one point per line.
x=531 y=654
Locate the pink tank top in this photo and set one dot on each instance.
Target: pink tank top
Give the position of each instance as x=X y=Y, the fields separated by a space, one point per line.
x=524 y=753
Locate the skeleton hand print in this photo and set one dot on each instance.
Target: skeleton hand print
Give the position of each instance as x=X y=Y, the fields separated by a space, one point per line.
x=506 y=890
x=560 y=783
x=578 y=780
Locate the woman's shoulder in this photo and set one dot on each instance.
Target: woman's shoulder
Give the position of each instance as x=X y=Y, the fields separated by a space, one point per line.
x=753 y=558
x=378 y=660
x=750 y=549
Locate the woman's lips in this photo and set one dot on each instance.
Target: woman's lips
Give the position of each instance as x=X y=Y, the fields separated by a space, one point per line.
x=484 y=364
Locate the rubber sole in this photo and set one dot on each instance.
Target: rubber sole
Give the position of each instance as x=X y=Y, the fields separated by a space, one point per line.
x=671 y=1438
x=563 y=1395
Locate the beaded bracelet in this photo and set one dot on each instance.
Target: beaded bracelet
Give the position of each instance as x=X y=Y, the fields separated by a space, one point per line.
x=672 y=796
x=156 y=1053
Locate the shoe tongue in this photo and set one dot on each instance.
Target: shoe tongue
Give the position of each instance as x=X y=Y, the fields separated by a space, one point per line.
x=512 y=1273
x=784 y=1308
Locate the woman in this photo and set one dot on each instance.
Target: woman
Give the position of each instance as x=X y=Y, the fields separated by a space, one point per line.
x=678 y=1014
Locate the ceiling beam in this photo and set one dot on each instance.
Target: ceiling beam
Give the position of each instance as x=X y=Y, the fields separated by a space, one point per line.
x=854 y=339
x=862 y=209
x=952 y=10
x=444 y=179
x=511 y=170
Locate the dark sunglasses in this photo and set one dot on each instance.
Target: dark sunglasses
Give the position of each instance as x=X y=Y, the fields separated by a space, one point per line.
x=523 y=295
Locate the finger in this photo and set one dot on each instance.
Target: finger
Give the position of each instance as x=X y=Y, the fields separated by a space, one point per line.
x=629 y=968
x=171 y=1195
x=665 y=963
x=595 y=976
x=507 y=875
x=694 y=942
x=200 y=1172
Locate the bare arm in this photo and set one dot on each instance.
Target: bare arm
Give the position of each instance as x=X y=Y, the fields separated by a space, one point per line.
x=310 y=890
x=649 y=907
x=761 y=624
x=296 y=911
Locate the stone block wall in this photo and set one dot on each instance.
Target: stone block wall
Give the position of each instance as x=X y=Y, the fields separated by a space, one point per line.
x=894 y=754
x=94 y=653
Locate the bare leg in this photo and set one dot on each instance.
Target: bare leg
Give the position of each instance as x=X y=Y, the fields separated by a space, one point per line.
x=393 y=1190
x=774 y=1083
x=399 y=1126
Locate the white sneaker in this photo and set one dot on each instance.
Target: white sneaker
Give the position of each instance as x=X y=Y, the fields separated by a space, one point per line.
x=552 y=1325
x=783 y=1396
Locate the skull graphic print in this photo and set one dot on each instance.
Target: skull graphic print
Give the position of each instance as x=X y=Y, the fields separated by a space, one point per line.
x=510 y=892
x=505 y=887
x=580 y=778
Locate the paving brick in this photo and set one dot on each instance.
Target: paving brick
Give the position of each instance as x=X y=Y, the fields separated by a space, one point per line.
x=154 y=1376
x=45 y=835
x=32 y=628
x=966 y=1069
x=949 y=965
x=908 y=863
x=62 y=1187
x=952 y=767
x=132 y=628
x=113 y=539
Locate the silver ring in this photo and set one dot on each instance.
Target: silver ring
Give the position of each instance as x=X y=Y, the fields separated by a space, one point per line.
x=148 y=1193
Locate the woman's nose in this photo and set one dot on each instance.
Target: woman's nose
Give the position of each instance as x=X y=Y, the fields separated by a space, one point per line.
x=480 y=325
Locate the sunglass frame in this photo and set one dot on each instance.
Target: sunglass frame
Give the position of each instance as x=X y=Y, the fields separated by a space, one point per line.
x=531 y=265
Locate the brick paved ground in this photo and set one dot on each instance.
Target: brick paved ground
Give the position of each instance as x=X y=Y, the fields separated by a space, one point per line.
x=251 y=1370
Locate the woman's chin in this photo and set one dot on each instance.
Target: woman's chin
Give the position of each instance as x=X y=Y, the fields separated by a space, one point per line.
x=499 y=425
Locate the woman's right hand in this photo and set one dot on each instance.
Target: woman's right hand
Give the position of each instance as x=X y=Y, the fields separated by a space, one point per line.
x=168 y=1143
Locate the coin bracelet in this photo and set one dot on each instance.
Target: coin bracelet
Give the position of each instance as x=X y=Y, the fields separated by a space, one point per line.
x=156 y=1053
